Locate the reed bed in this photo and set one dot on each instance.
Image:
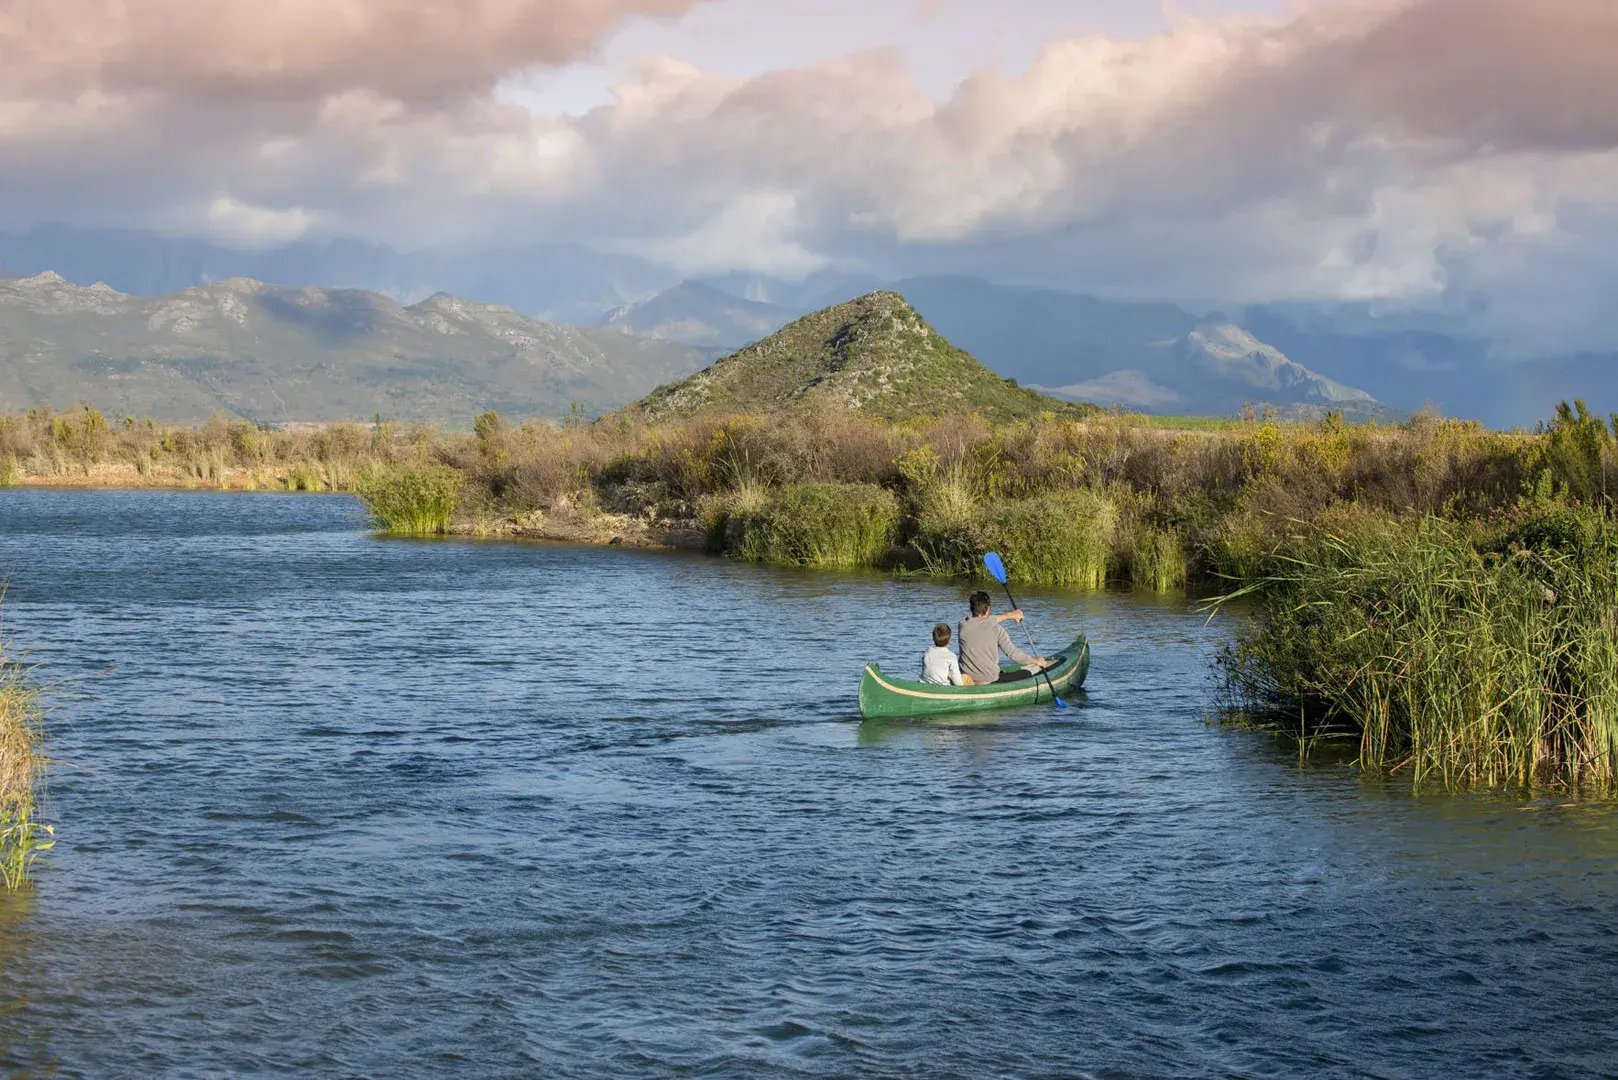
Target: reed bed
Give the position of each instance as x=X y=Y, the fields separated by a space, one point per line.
x=23 y=836
x=1075 y=502
x=1460 y=654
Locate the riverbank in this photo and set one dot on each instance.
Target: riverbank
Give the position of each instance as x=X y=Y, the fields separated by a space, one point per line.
x=1238 y=506
x=1118 y=499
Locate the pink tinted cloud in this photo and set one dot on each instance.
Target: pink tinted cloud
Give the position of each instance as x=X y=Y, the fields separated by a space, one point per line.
x=1510 y=74
x=1342 y=150
x=299 y=49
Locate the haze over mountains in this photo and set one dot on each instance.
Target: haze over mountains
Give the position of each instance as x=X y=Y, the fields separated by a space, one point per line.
x=271 y=353
x=557 y=282
x=1304 y=358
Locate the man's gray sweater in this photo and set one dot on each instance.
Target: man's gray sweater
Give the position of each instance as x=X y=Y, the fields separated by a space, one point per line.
x=982 y=640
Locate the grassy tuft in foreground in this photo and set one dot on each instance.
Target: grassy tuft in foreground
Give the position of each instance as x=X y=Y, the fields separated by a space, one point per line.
x=22 y=835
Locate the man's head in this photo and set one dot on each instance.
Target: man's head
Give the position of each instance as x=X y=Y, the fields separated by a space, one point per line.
x=941 y=635
x=980 y=603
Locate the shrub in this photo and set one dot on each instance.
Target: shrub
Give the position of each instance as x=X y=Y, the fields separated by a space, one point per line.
x=830 y=526
x=410 y=502
x=1059 y=539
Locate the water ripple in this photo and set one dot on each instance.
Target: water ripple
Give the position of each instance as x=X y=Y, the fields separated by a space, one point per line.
x=350 y=807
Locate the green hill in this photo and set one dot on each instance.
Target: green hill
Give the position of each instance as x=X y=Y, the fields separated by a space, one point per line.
x=874 y=355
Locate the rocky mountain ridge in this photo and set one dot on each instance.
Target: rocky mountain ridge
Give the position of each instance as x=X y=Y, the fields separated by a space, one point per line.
x=268 y=352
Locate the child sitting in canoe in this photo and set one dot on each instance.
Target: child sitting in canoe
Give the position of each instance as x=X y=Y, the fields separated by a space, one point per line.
x=938 y=665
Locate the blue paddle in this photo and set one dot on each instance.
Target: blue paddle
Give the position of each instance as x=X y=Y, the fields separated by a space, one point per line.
x=997 y=570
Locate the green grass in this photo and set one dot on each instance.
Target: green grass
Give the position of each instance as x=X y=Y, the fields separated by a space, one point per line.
x=1064 y=538
x=827 y=526
x=1154 y=558
x=22 y=835
x=410 y=502
x=1183 y=423
x=1460 y=654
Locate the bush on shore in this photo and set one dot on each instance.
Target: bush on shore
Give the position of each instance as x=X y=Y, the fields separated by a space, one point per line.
x=411 y=502
x=827 y=526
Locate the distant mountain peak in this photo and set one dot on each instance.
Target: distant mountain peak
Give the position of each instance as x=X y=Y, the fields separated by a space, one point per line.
x=240 y=286
x=697 y=313
x=49 y=291
x=1230 y=352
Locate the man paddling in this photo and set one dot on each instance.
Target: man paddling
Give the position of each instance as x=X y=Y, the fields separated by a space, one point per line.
x=982 y=640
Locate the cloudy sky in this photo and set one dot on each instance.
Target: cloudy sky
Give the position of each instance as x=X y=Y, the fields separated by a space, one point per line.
x=1460 y=154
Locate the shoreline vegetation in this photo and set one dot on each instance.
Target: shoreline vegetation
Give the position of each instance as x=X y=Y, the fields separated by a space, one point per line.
x=23 y=836
x=1442 y=592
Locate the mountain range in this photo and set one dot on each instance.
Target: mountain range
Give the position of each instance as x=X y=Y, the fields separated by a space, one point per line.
x=1305 y=356
x=558 y=282
x=1153 y=357
x=271 y=353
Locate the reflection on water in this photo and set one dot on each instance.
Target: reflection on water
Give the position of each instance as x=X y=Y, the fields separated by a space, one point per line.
x=348 y=807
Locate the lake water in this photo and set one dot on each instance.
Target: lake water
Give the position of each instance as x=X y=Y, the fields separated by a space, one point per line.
x=332 y=805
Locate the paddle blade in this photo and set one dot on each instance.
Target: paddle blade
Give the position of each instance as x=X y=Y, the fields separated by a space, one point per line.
x=996 y=568
x=1060 y=704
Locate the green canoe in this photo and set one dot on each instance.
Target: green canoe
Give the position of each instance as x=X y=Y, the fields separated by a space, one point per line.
x=883 y=695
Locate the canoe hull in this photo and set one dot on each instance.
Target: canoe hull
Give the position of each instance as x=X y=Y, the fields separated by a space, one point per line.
x=885 y=696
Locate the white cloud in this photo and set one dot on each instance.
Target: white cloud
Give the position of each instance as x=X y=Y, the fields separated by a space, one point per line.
x=256 y=225
x=1397 y=149
x=749 y=233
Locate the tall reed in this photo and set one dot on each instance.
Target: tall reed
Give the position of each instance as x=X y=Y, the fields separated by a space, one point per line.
x=1065 y=538
x=1459 y=654
x=1154 y=558
x=829 y=526
x=22 y=835
x=410 y=502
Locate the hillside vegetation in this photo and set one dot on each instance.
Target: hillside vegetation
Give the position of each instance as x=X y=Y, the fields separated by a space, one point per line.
x=874 y=355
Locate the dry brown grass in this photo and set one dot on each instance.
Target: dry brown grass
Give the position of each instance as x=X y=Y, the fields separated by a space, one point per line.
x=1221 y=492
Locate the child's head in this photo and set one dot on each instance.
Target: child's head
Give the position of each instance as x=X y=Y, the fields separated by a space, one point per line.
x=941 y=635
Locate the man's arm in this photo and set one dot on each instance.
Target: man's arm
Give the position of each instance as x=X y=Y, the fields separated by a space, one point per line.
x=1011 y=650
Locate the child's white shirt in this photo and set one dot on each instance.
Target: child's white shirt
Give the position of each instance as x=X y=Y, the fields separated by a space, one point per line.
x=940 y=667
